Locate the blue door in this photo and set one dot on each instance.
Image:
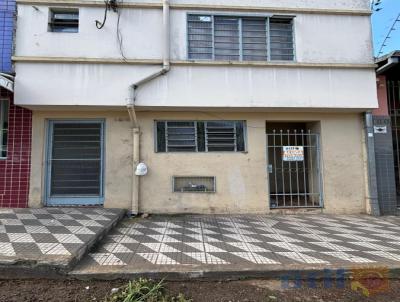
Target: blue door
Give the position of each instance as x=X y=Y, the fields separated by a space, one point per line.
x=75 y=155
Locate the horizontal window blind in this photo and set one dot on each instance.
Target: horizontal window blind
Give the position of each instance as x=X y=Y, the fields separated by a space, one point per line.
x=281 y=39
x=76 y=159
x=221 y=136
x=240 y=38
x=181 y=136
x=254 y=39
x=200 y=37
x=64 y=21
x=226 y=38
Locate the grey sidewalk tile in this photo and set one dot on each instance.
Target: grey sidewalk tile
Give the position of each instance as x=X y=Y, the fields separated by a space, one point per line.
x=58 y=229
x=26 y=249
x=8 y=216
x=44 y=238
x=15 y=229
x=4 y=237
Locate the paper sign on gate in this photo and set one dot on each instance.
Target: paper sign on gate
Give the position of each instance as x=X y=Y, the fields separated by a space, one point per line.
x=293 y=153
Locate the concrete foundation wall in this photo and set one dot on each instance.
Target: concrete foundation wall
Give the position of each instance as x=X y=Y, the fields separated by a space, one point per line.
x=242 y=183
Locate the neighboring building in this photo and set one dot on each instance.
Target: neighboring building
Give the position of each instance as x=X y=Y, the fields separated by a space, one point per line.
x=387 y=132
x=15 y=122
x=235 y=107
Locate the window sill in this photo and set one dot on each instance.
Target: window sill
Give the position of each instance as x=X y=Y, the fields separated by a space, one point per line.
x=210 y=152
x=293 y=64
x=288 y=64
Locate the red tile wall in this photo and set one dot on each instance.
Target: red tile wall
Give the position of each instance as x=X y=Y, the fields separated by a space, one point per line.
x=15 y=170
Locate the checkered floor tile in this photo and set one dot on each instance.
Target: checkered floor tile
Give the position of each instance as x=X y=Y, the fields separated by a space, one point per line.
x=32 y=234
x=246 y=239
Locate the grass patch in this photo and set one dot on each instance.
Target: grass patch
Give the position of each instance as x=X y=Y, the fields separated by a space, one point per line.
x=144 y=290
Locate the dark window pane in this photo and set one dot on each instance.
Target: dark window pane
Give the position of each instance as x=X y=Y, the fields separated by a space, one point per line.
x=64 y=21
x=201 y=142
x=3 y=128
x=240 y=144
x=161 y=145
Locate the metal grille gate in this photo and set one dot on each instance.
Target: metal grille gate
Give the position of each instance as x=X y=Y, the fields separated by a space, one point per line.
x=293 y=159
x=75 y=163
x=393 y=88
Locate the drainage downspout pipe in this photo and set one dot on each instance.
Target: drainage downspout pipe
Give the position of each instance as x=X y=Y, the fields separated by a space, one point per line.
x=131 y=105
x=372 y=179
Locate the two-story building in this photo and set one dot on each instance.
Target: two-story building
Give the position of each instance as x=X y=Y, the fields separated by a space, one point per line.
x=15 y=121
x=232 y=106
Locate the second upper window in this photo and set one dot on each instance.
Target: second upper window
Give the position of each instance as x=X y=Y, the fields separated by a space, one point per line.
x=240 y=38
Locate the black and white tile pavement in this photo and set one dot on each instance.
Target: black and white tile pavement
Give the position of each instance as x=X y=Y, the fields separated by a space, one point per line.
x=249 y=240
x=47 y=233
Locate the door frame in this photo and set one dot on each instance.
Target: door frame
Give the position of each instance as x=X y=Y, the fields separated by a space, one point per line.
x=71 y=200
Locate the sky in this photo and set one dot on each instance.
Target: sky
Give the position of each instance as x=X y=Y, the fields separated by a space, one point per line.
x=382 y=21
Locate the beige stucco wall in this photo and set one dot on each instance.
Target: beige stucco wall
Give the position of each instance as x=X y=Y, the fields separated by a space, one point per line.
x=241 y=177
x=118 y=155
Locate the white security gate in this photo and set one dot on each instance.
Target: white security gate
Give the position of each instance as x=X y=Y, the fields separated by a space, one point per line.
x=293 y=161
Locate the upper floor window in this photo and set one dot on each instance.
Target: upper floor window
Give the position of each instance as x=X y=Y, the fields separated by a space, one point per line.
x=240 y=38
x=3 y=127
x=200 y=136
x=64 y=20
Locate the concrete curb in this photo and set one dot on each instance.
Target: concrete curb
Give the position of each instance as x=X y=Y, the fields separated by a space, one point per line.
x=294 y=272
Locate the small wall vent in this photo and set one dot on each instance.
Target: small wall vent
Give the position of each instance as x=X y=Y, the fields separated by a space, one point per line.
x=193 y=184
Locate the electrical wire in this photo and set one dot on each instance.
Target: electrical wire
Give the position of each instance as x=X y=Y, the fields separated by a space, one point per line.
x=397 y=19
x=112 y=4
x=376 y=3
x=99 y=24
x=120 y=38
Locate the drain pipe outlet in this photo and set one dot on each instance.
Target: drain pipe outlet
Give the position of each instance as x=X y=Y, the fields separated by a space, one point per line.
x=131 y=106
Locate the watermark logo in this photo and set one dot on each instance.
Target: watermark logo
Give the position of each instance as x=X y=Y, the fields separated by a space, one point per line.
x=370 y=281
x=367 y=281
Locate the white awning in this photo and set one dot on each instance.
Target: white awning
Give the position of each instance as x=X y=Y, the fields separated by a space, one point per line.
x=6 y=83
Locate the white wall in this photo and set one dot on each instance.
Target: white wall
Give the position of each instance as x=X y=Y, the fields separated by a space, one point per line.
x=319 y=38
x=189 y=86
x=320 y=4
